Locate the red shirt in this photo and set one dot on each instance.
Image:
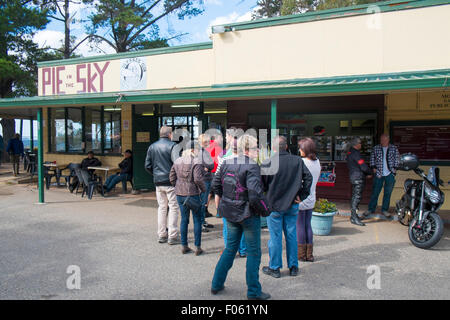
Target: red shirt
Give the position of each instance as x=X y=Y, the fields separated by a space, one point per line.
x=214 y=151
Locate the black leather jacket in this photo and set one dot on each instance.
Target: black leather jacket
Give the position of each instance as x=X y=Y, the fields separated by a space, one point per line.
x=158 y=161
x=246 y=198
x=358 y=169
x=292 y=179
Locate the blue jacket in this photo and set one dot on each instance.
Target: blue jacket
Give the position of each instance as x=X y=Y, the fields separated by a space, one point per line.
x=15 y=146
x=2 y=145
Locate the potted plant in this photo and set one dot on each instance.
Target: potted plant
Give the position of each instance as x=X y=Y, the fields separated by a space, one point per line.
x=322 y=217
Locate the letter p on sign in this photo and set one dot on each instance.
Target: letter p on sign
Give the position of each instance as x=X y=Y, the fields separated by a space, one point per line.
x=74 y=280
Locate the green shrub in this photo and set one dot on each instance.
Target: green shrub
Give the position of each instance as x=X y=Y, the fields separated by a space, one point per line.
x=324 y=206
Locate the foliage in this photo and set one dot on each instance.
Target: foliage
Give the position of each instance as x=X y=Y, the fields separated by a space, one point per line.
x=267 y=9
x=19 y=20
x=324 y=206
x=132 y=25
x=271 y=8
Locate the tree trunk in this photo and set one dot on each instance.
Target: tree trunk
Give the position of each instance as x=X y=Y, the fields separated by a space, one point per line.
x=9 y=128
x=67 y=30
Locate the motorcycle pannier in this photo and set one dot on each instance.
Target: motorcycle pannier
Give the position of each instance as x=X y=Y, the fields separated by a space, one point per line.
x=408 y=161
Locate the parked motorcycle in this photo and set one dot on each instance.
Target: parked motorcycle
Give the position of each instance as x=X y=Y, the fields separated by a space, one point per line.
x=418 y=207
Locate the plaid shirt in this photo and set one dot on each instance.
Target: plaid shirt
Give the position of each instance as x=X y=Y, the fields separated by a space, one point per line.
x=392 y=159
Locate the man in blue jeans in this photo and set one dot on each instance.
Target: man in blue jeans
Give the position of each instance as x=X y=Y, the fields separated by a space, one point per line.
x=285 y=189
x=384 y=161
x=126 y=172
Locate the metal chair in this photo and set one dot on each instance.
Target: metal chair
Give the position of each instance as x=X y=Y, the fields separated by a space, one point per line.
x=124 y=184
x=48 y=175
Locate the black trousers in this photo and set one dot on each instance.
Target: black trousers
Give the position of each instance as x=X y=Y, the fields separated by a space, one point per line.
x=357 y=191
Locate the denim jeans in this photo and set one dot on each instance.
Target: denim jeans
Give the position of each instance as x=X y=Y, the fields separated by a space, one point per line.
x=251 y=227
x=242 y=247
x=279 y=223
x=204 y=199
x=185 y=213
x=389 y=182
x=113 y=180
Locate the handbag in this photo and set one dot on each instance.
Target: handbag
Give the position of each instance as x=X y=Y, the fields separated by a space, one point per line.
x=192 y=203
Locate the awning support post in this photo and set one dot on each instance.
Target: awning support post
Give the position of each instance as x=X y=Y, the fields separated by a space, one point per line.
x=273 y=118
x=40 y=155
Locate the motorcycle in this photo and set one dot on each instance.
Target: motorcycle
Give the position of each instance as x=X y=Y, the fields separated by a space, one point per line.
x=418 y=207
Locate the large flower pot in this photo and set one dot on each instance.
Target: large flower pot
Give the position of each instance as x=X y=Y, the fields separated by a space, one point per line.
x=322 y=223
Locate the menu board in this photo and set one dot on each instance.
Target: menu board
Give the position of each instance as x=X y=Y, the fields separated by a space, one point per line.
x=429 y=143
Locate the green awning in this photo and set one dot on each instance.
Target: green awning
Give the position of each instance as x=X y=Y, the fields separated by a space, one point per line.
x=437 y=79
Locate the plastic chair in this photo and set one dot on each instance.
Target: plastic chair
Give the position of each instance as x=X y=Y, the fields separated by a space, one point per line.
x=124 y=184
x=68 y=177
x=89 y=184
x=48 y=175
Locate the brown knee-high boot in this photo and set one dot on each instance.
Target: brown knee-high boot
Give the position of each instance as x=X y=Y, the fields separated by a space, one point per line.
x=309 y=253
x=302 y=252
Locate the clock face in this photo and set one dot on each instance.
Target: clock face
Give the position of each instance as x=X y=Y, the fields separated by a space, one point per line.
x=133 y=74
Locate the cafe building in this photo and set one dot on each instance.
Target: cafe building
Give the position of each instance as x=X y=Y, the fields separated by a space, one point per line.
x=330 y=75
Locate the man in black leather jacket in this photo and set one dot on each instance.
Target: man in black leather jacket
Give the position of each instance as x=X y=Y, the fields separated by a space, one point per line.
x=286 y=188
x=358 y=170
x=158 y=162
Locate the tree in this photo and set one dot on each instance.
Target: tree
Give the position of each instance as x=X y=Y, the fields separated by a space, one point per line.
x=132 y=25
x=272 y=8
x=59 y=10
x=19 y=20
x=267 y=9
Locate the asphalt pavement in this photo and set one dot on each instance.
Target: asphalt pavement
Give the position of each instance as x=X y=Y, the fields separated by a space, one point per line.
x=111 y=243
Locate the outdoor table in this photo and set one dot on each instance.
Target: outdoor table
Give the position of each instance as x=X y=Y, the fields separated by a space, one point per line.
x=105 y=169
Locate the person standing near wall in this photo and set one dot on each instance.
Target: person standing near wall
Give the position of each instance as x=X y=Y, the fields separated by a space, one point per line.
x=15 y=149
x=307 y=149
x=286 y=188
x=384 y=161
x=358 y=170
x=208 y=166
x=158 y=163
x=242 y=201
x=187 y=176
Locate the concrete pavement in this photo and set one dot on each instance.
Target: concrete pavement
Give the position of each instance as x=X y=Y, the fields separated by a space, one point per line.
x=114 y=243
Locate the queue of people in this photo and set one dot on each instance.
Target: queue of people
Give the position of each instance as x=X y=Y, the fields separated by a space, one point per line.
x=246 y=191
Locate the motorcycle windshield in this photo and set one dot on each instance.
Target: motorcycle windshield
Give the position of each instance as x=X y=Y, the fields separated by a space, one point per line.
x=433 y=176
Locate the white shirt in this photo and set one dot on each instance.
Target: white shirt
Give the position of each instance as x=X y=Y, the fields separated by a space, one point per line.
x=313 y=167
x=386 y=171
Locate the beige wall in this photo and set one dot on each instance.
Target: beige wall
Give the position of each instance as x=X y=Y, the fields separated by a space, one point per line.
x=408 y=106
x=164 y=71
x=407 y=40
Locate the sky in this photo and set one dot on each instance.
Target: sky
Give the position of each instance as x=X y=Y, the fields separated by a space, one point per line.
x=198 y=28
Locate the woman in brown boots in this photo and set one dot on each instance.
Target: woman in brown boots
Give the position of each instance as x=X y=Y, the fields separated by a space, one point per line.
x=307 y=149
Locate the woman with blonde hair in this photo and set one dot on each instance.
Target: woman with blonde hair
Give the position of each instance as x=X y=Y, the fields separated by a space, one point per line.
x=187 y=177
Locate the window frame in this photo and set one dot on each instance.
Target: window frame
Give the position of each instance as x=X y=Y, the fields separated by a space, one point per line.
x=83 y=138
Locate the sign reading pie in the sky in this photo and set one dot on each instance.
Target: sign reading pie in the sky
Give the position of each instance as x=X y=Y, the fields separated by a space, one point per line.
x=94 y=77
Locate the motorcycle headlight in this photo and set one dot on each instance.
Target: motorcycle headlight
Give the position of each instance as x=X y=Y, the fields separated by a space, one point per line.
x=432 y=194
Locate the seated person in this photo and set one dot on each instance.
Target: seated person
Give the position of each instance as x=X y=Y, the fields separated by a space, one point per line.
x=90 y=161
x=126 y=172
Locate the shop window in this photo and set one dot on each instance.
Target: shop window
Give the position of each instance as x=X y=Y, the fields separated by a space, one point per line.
x=112 y=131
x=74 y=130
x=79 y=130
x=57 y=119
x=94 y=129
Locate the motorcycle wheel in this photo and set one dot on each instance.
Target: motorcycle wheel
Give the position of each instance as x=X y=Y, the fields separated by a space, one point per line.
x=430 y=232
